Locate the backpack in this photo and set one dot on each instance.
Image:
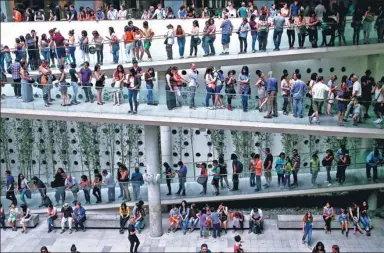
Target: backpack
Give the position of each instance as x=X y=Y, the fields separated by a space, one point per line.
x=324 y=162
x=239 y=167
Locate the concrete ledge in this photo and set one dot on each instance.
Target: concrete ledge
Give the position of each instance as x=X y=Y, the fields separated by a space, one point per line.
x=31 y=223
x=296 y=222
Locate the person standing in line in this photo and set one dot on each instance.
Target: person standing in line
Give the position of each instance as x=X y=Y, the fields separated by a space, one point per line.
x=258 y=171
x=237 y=168
x=194 y=38
x=136 y=181
x=356 y=95
x=215 y=217
x=182 y=173
x=132 y=237
x=203 y=178
x=252 y=168
x=243 y=35
x=97 y=186
x=312 y=29
x=148 y=35
x=16 y=77
x=291 y=32
x=169 y=41
x=268 y=167
x=301 y=30
x=328 y=214
x=203 y=222
x=272 y=96
x=327 y=162
x=59 y=184
x=192 y=85
x=109 y=181
x=169 y=174
x=244 y=87
x=318 y=96
x=74 y=83
x=180 y=35
x=114 y=44
x=226 y=33
x=10 y=194
x=279 y=23
x=85 y=76
x=367 y=85
x=295 y=159
x=2 y=217
x=307 y=228
x=373 y=160
x=298 y=91
x=263 y=29
x=314 y=166
x=369 y=18
x=223 y=172
x=216 y=176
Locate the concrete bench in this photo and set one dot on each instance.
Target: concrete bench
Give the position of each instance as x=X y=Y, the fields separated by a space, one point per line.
x=30 y=224
x=296 y=222
x=99 y=221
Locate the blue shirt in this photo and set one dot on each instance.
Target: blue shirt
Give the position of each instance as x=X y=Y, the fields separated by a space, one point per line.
x=280 y=163
x=349 y=83
x=182 y=14
x=372 y=160
x=271 y=84
x=10 y=180
x=137 y=178
x=226 y=27
x=183 y=171
x=215 y=218
x=279 y=22
x=78 y=214
x=294 y=10
x=100 y=16
x=215 y=171
x=74 y=13
x=298 y=89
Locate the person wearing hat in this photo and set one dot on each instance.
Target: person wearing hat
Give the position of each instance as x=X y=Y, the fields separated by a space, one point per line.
x=367 y=83
x=66 y=216
x=169 y=41
x=138 y=216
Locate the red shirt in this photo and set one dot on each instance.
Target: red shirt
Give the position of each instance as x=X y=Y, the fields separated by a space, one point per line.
x=58 y=39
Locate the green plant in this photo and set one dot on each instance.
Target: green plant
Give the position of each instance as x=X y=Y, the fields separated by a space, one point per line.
x=110 y=142
x=63 y=144
x=24 y=145
x=87 y=145
x=217 y=137
x=132 y=147
x=290 y=142
x=264 y=140
x=50 y=128
x=178 y=144
x=4 y=147
x=244 y=145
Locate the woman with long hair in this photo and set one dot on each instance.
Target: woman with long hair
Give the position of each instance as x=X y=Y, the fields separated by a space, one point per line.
x=307 y=228
x=319 y=248
x=170 y=84
x=369 y=18
x=343 y=219
x=184 y=216
x=66 y=101
x=134 y=83
x=354 y=215
x=243 y=35
x=26 y=87
x=114 y=44
x=285 y=91
x=84 y=46
x=124 y=213
x=100 y=79
x=149 y=77
x=25 y=217
x=364 y=218
x=328 y=216
x=118 y=83
x=230 y=91
x=194 y=38
x=124 y=181
x=180 y=35
x=261 y=85
x=72 y=45
x=301 y=30
x=343 y=98
x=139 y=48
x=32 y=51
x=22 y=187
x=244 y=89
x=379 y=102
x=85 y=184
x=210 y=82
x=99 y=45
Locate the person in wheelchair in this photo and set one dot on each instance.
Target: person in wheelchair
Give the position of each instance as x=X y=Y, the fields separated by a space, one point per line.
x=256 y=222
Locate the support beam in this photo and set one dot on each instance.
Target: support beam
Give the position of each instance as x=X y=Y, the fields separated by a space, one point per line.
x=372 y=200
x=152 y=177
x=166 y=144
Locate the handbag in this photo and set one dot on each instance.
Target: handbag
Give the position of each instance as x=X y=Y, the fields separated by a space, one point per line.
x=202 y=180
x=166 y=41
x=198 y=41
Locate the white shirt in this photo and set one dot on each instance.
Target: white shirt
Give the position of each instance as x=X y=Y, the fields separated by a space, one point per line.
x=158 y=14
x=258 y=210
x=123 y=14
x=192 y=77
x=170 y=36
x=113 y=15
x=318 y=90
x=356 y=89
x=232 y=13
x=320 y=11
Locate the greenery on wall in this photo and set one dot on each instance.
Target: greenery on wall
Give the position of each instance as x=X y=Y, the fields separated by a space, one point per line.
x=179 y=143
x=24 y=145
x=4 y=147
x=291 y=142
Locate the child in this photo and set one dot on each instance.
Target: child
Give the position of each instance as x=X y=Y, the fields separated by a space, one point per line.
x=314 y=166
x=238 y=247
x=203 y=219
x=280 y=164
x=356 y=112
x=287 y=171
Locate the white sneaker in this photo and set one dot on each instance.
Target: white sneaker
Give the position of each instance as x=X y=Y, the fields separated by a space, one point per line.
x=378 y=121
x=329 y=184
x=326 y=182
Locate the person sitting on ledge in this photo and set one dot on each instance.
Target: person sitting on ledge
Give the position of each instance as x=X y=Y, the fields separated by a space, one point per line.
x=256 y=222
x=139 y=214
x=80 y=216
x=173 y=219
x=124 y=216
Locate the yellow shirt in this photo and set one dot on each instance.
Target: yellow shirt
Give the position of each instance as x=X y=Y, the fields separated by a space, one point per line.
x=124 y=212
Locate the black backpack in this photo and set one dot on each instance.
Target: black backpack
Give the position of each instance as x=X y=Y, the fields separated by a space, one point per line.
x=239 y=167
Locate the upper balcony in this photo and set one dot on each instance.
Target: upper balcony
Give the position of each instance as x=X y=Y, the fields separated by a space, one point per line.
x=324 y=60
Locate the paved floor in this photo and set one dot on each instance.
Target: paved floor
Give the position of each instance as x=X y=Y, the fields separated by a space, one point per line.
x=354 y=177
x=273 y=240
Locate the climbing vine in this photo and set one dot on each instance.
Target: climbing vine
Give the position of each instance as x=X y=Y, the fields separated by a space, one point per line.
x=24 y=138
x=4 y=147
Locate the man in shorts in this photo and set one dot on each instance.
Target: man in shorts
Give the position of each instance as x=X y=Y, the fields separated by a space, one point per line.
x=148 y=34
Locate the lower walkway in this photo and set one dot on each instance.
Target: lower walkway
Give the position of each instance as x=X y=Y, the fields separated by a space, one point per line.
x=108 y=240
x=355 y=181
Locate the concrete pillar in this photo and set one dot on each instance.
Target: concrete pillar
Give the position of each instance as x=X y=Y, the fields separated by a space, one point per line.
x=166 y=144
x=372 y=200
x=7 y=9
x=152 y=177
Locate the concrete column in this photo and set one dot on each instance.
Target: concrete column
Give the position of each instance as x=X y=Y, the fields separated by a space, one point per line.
x=152 y=177
x=372 y=200
x=166 y=144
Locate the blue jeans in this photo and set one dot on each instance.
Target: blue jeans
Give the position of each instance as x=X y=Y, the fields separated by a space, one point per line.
x=150 y=94
x=205 y=45
x=193 y=222
x=22 y=195
x=2 y=61
x=308 y=232
x=252 y=179
x=210 y=94
x=181 y=43
x=244 y=97
x=115 y=52
x=277 y=38
x=75 y=87
x=132 y=95
x=139 y=224
x=202 y=230
x=46 y=54
x=111 y=193
x=72 y=50
x=365 y=221
x=254 y=38
x=210 y=44
x=136 y=191
x=50 y=223
x=183 y=224
x=298 y=107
